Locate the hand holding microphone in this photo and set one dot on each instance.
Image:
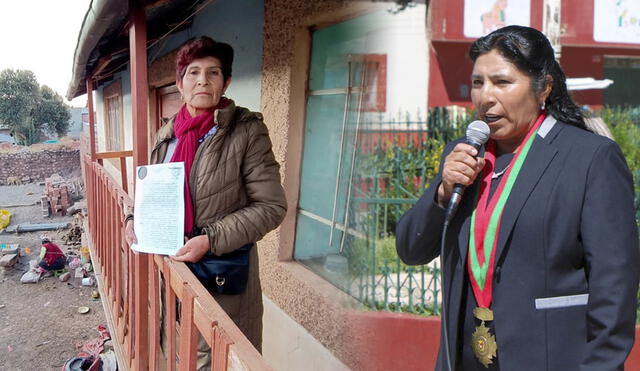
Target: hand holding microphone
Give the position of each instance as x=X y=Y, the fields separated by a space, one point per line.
x=461 y=167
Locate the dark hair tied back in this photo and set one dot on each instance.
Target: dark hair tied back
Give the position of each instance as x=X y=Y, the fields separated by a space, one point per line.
x=531 y=52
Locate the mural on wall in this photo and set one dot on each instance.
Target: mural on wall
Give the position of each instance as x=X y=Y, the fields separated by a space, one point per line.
x=616 y=21
x=482 y=17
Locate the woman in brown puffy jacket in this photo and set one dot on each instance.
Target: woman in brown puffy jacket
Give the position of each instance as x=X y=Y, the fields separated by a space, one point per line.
x=233 y=195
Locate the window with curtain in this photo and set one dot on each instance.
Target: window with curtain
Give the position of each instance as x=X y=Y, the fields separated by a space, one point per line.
x=114 y=125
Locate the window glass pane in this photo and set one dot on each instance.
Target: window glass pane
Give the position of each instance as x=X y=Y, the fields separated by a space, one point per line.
x=327 y=174
x=362 y=170
x=323 y=151
x=333 y=45
x=625 y=72
x=114 y=126
x=314 y=236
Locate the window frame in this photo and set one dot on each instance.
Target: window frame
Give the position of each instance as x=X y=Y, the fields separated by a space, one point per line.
x=380 y=100
x=110 y=93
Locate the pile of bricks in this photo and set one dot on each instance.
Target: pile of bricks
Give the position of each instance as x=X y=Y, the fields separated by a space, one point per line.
x=57 y=198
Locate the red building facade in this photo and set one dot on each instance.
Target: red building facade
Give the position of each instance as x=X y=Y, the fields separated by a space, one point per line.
x=581 y=54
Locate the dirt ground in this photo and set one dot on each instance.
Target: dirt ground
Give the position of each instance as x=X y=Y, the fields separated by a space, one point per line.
x=64 y=143
x=39 y=322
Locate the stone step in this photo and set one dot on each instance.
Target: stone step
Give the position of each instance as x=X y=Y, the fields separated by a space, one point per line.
x=8 y=260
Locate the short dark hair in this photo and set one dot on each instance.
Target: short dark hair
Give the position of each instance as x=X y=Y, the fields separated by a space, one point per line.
x=202 y=47
x=531 y=52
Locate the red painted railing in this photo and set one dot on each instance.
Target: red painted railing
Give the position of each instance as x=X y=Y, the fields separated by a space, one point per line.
x=120 y=273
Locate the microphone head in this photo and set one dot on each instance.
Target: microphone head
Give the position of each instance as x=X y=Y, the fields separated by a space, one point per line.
x=478 y=133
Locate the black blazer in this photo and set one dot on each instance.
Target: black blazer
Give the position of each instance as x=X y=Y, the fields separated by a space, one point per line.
x=567 y=259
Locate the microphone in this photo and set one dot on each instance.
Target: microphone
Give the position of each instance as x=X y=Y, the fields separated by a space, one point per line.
x=477 y=135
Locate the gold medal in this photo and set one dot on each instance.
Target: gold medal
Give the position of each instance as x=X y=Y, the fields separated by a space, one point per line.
x=482 y=342
x=483 y=314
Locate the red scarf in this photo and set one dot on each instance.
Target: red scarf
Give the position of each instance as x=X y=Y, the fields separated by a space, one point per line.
x=189 y=130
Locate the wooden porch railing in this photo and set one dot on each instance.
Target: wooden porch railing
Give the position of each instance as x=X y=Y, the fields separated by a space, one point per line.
x=200 y=314
x=122 y=155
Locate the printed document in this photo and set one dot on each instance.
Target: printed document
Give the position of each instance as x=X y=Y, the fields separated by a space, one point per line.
x=159 y=208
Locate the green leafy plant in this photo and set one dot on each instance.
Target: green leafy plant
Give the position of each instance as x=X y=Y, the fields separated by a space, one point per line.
x=404 y=160
x=624 y=123
x=393 y=168
x=27 y=108
x=398 y=169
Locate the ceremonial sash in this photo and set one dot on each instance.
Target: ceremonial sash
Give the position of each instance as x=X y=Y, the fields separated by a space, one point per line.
x=485 y=220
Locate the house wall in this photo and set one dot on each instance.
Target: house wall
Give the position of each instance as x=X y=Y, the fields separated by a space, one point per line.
x=581 y=55
x=98 y=101
x=578 y=61
x=245 y=37
x=404 y=38
x=401 y=37
x=287 y=345
x=274 y=81
x=306 y=298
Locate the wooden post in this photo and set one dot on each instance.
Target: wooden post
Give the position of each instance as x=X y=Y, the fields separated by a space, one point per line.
x=139 y=101
x=139 y=83
x=92 y=121
x=123 y=174
x=188 y=331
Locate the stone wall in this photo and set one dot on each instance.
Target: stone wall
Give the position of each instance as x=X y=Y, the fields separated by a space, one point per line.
x=38 y=165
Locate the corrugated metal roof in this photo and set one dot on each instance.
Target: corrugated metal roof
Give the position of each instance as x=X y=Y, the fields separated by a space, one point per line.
x=103 y=41
x=102 y=20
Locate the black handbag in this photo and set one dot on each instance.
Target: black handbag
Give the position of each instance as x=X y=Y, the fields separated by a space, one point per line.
x=226 y=274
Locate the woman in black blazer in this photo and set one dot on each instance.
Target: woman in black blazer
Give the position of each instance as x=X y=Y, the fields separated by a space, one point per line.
x=541 y=261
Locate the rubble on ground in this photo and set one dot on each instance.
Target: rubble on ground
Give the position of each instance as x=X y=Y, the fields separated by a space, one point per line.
x=59 y=194
x=49 y=287
x=64 y=277
x=8 y=260
x=92 y=354
x=56 y=198
x=9 y=255
x=73 y=236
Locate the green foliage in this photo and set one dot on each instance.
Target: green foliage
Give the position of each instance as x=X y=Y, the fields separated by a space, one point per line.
x=19 y=94
x=624 y=123
x=52 y=114
x=400 y=171
x=384 y=260
x=402 y=168
x=392 y=174
x=432 y=159
x=419 y=309
x=27 y=109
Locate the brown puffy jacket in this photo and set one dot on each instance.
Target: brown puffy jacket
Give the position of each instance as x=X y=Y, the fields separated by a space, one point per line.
x=237 y=196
